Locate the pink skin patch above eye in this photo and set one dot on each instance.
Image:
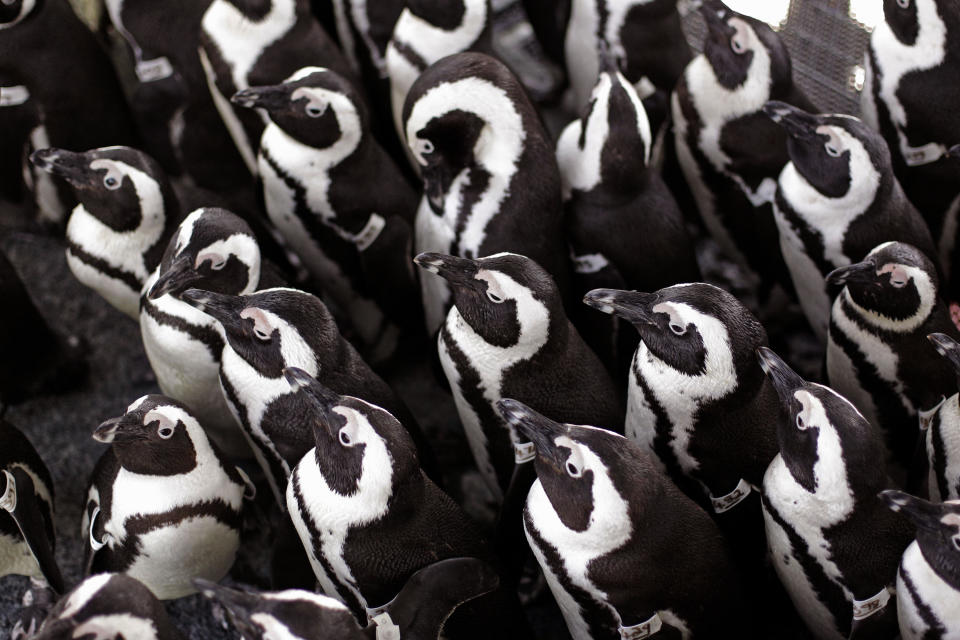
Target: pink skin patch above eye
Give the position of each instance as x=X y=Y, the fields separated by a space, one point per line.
x=216 y=260
x=955 y=314
x=898 y=275
x=260 y=322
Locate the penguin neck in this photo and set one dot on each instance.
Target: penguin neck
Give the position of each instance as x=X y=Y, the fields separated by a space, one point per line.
x=352 y=142
x=354 y=494
x=432 y=42
x=830 y=483
x=880 y=322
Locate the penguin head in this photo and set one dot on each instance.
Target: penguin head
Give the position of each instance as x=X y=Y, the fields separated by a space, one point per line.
x=13 y=11
x=444 y=14
x=272 y=328
x=118 y=186
x=894 y=288
x=738 y=46
x=938 y=531
x=157 y=435
x=291 y=614
x=903 y=19
x=819 y=429
x=691 y=327
x=212 y=249
x=831 y=151
x=315 y=106
x=505 y=298
x=353 y=437
x=948 y=348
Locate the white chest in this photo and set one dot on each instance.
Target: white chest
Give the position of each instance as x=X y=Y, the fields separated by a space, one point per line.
x=932 y=593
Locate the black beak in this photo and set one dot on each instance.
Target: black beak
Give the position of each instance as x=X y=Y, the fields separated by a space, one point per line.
x=126 y=428
x=633 y=306
x=798 y=124
x=240 y=605
x=272 y=98
x=947 y=347
x=435 y=183
x=539 y=429
x=923 y=514
x=456 y=271
x=322 y=398
x=954 y=151
x=69 y=165
x=715 y=13
x=863 y=272
x=223 y=308
x=784 y=379
x=608 y=61
x=175 y=279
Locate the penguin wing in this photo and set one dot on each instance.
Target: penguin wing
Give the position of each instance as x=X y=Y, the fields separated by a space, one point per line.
x=30 y=518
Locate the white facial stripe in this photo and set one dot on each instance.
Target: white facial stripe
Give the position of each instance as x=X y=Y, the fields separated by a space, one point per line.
x=185 y=230
x=245 y=248
x=928 y=298
x=580 y=167
x=136 y=404
x=272 y=628
x=84 y=593
x=108 y=627
x=302 y=73
x=296 y=595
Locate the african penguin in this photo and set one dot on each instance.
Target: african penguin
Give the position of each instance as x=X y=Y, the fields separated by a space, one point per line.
x=490 y=178
x=189 y=527
x=507 y=336
x=418 y=611
x=609 y=192
x=109 y=605
x=119 y=231
x=912 y=81
x=53 y=96
x=833 y=544
x=368 y=516
x=265 y=332
x=878 y=356
x=249 y=43
x=316 y=160
x=940 y=430
x=600 y=518
x=928 y=580
x=215 y=250
x=836 y=199
x=730 y=153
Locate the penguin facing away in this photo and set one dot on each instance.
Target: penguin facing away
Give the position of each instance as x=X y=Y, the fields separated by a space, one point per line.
x=191 y=525
x=491 y=182
x=116 y=236
x=595 y=519
x=878 y=356
x=928 y=580
x=836 y=200
x=833 y=544
x=940 y=430
x=109 y=605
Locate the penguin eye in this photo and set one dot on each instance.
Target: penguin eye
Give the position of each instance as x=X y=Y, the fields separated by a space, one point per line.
x=345 y=437
x=573 y=470
x=677 y=328
x=800 y=423
x=217 y=266
x=956 y=542
x=494 y=298
x=111 y=182
x=261 y=333
x=165 y=432
x=737 y=45
x=315 y=110
x=832 y=151
x=426 y=146
x=903 y=4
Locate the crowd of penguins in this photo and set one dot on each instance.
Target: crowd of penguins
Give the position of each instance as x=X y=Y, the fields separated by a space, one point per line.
x=289 y=197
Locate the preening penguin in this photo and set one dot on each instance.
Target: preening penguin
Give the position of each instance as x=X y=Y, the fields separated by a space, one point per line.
x=316 y=160
x=836 y=200
x=491 y=181
x=109 y=605
x=190 y=526
x=116 y=236
x=940 y=430
x=600 y=519
x=833 y=544
x=878 y=356
x=215 y=250
x=928 y=581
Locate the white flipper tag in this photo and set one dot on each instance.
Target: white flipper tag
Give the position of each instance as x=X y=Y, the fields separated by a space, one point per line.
x=524 y=452
x=13 y=96
x=153 y=70
x=369 y=234
x=915 y=156
x=589 y=263
x=866 y=608
x=732 y=499
x=386 y=629
x=643 y=630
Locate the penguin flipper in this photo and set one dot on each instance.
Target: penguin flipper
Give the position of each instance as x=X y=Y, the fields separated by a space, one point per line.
x=33 y=526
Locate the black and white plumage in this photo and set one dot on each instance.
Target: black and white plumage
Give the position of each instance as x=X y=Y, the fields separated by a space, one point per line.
x=109 y=605
x=833 y=544
x=928 y=580
x=214 y=250
x=730 y=153
x=507 y=336
x=316 y=161
x=600 y=518
x=940 y=430
x=190 y=525
x=265 y=332
x=878 y=356
x=836 y=200
x=119 y=231
x=491 y=182
x=418 y=611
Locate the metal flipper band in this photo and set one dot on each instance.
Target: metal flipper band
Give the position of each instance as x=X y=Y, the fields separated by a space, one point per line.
x=9 y=498
x=643 y=630
x=13 y=96
x=524 y=452
x=369 y=234
x=866 y=608
x=732 y=499
x=249 y=489
x=153 y=70
x=915 y=156
x=386 y=629
x=589 y=263
x=926 y=417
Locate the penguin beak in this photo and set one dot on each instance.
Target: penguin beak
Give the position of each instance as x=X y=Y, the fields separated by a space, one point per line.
x=947 y=347
x=223 y=308
x=321 y=397
x=539 y=429
x=608 y=60
x=457 y=271
x=784 y=379
x=923 y=514
x=71 y=166
x=175 y=279
x=126 y=428
x=56 y=629
x=272 y=98
x=436 y=181
x=798 y=124
x=954 y=151
x=633 y=306
x=715 y=13
x=863 y=272
x=240 y=605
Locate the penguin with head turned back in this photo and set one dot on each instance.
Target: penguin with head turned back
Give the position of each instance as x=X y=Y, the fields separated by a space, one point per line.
x=119 y=231
x=601 y=518
x=833 y=544
x=836 y=200
x=316 y=159
x=878 y=356
x=928 y=580
x=490 y=177
x=940 y=433
x=730 y=153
